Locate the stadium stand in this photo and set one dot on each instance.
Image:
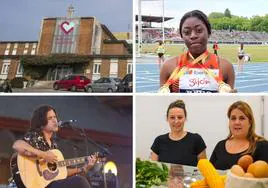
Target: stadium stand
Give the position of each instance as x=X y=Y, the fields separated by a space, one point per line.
x=152 y=35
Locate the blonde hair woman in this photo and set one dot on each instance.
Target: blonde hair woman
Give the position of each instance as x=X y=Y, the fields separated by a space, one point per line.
x=241 y=140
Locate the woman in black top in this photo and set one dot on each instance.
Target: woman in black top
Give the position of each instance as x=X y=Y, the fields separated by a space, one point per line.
x=178 y=146
x=241 y=140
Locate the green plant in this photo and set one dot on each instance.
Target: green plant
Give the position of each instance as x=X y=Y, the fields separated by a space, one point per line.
x=149 y=173
x=17 y=82
x=35 y=72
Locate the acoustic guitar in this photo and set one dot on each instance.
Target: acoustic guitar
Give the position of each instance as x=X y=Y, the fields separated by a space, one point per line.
x=37 y=173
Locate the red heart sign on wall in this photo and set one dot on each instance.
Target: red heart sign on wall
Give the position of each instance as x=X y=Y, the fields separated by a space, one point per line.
x=67 y=27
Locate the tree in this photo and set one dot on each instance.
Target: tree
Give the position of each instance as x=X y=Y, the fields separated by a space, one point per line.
x=213 y=15
x=227 y=13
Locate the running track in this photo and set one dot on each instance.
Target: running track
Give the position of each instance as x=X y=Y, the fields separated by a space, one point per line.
x=253 y=79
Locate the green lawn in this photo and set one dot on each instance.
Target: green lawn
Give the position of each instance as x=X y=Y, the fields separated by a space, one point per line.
x=228 y=52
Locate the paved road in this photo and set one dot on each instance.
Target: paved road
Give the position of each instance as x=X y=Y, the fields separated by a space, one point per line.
x=40 y=90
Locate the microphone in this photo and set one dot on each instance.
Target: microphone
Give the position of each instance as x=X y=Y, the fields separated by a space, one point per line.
x=66 y=123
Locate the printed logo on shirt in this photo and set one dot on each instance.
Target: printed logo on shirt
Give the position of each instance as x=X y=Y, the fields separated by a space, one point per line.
x=196 y=82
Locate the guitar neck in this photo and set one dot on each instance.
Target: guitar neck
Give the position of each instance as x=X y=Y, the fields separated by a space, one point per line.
x=70 y=162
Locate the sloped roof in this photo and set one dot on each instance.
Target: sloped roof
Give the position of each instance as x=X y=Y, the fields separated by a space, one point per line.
x=157 y=19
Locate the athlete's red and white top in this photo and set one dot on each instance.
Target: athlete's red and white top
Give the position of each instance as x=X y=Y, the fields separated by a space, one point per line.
x=196 y=79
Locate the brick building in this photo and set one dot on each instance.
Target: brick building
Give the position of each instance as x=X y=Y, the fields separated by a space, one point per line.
x=79 y=45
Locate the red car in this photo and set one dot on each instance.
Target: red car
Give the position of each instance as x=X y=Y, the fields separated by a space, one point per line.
x=72 y=82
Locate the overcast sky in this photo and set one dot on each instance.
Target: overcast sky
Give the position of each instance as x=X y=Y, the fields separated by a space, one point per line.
x=176 y=8
x=21 y=19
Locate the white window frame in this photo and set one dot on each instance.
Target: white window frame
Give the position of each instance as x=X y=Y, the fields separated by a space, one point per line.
x=7 y=49
x=5 y=67
x=8 y=46
x=33 y=49
x=129 y=68
x=97 y=35
x=20 y=69
x=113 y=69
x=96 y=68
x=25 y=51
x=33 y=52
x=7 y=52
x=14 y=51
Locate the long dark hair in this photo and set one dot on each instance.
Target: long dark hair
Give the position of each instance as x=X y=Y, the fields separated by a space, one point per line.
x=39 y=117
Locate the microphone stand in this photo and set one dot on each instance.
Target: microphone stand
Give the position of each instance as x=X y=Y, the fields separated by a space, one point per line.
x=104 y=151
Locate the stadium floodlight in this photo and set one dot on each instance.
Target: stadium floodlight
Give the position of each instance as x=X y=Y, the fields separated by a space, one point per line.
x=140 y=27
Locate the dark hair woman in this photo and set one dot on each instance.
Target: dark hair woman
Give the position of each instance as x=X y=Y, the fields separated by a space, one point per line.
x=197 y=70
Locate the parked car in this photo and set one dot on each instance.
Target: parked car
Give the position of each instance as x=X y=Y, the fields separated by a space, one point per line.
x=72 y=82
x=104 y=84
x=126 y=84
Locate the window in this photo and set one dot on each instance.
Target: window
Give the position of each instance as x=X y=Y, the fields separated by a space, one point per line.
x=97 y=39
x=7 y=52
x=14 y=51
x=33 y=49
x=107 y=80
x=72 y=78
x=129 y=68
x=83 y=78
x=113 y=69
x=7 y=49
x=96 y=68
x=25 y=51
x=5 y=67
x=20 y=69
x=8 y=45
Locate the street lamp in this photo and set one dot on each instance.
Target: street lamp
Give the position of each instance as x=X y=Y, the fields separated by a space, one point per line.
x=110 y=175
x=110 y=167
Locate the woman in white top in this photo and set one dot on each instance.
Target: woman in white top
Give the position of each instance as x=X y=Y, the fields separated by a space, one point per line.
x=241 y=58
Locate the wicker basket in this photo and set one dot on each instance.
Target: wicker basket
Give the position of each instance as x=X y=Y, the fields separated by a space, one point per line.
x=234 y=181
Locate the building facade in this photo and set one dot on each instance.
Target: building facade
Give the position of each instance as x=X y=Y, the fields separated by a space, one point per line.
x=67 y=45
